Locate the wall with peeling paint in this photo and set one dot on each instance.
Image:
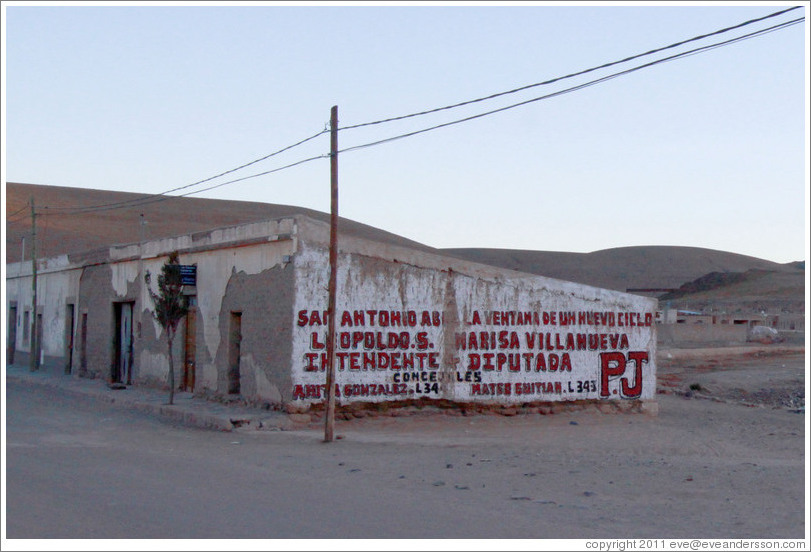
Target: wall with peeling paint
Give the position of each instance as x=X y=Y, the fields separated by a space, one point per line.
x=238 y=268
x=56 y=291
x=411 y=324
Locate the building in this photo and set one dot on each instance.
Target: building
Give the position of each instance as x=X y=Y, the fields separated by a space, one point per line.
x=409 y=324
x=679 y=327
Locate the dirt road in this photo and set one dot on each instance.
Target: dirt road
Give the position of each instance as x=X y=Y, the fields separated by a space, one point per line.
x=704 y=467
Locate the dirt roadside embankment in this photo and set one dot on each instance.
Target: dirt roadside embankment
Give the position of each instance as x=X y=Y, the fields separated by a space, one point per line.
x=756 y=375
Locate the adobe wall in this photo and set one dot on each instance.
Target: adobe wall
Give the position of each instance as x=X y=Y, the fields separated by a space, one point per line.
x=244 y=268
x=264 y=301
x=58 y=286
x=411 y=324
x=687 y=334
x=410 y=328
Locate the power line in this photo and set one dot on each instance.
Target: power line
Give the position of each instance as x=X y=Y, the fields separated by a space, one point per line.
x=301 y=162
x=163 y=195
x=571 y=75
x=18 y=211
x=580 y=86
x=160 y=197
x=18 y=219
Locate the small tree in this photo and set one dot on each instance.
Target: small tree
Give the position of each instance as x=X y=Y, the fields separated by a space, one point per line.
x=170 y=307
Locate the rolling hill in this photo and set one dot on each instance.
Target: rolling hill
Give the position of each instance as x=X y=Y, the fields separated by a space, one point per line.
x=639 y=267
x=63 y=231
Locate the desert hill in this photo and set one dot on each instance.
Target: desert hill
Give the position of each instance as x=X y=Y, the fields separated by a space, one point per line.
x=641 y=267
x=62 y=231
x=753 y=282
x=751 y=291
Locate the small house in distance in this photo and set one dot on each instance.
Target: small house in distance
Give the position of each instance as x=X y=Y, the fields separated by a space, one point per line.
x=410 y=324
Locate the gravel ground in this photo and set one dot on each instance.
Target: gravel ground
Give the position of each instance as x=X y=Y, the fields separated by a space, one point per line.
x=770 y=377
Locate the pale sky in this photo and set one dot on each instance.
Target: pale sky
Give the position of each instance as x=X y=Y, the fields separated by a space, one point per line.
x=709 y=150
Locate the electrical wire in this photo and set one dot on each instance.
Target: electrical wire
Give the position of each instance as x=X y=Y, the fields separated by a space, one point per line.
x=580 y=86
x=18 y=219
x=571 y=75
x=301 y=162
x=157 y=198
x=163 y=195
x=18 y=211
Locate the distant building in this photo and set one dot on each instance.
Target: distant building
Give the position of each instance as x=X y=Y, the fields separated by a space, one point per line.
x=410 y=324
x=677 y=326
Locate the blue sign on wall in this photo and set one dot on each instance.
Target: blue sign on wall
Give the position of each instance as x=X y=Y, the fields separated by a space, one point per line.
x=188 y=275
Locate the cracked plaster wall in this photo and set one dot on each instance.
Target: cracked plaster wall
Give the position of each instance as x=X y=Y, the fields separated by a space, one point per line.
x=375 y=278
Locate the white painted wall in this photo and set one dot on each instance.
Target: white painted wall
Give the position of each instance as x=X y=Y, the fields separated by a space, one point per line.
x=215 y=267
x=56 y=285
x=434 y=354
x=443 y=368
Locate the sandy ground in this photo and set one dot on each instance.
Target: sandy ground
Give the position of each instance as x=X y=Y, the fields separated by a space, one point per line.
x=724 y=458
x=766 y=376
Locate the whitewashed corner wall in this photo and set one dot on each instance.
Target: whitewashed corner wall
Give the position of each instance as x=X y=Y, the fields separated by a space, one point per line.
x=405 y=332
x=215 y=268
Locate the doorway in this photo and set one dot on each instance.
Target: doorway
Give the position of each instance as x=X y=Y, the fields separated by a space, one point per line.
x=122 y=365
x=11 y=344
x=190 y=347
x=69 y=327
x=38 y=352
x=27 y=330
x=83 y=346
x=234 y=344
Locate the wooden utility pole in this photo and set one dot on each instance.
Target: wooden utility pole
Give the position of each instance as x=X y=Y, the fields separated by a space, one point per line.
x=34 y=361
x=329 y=424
